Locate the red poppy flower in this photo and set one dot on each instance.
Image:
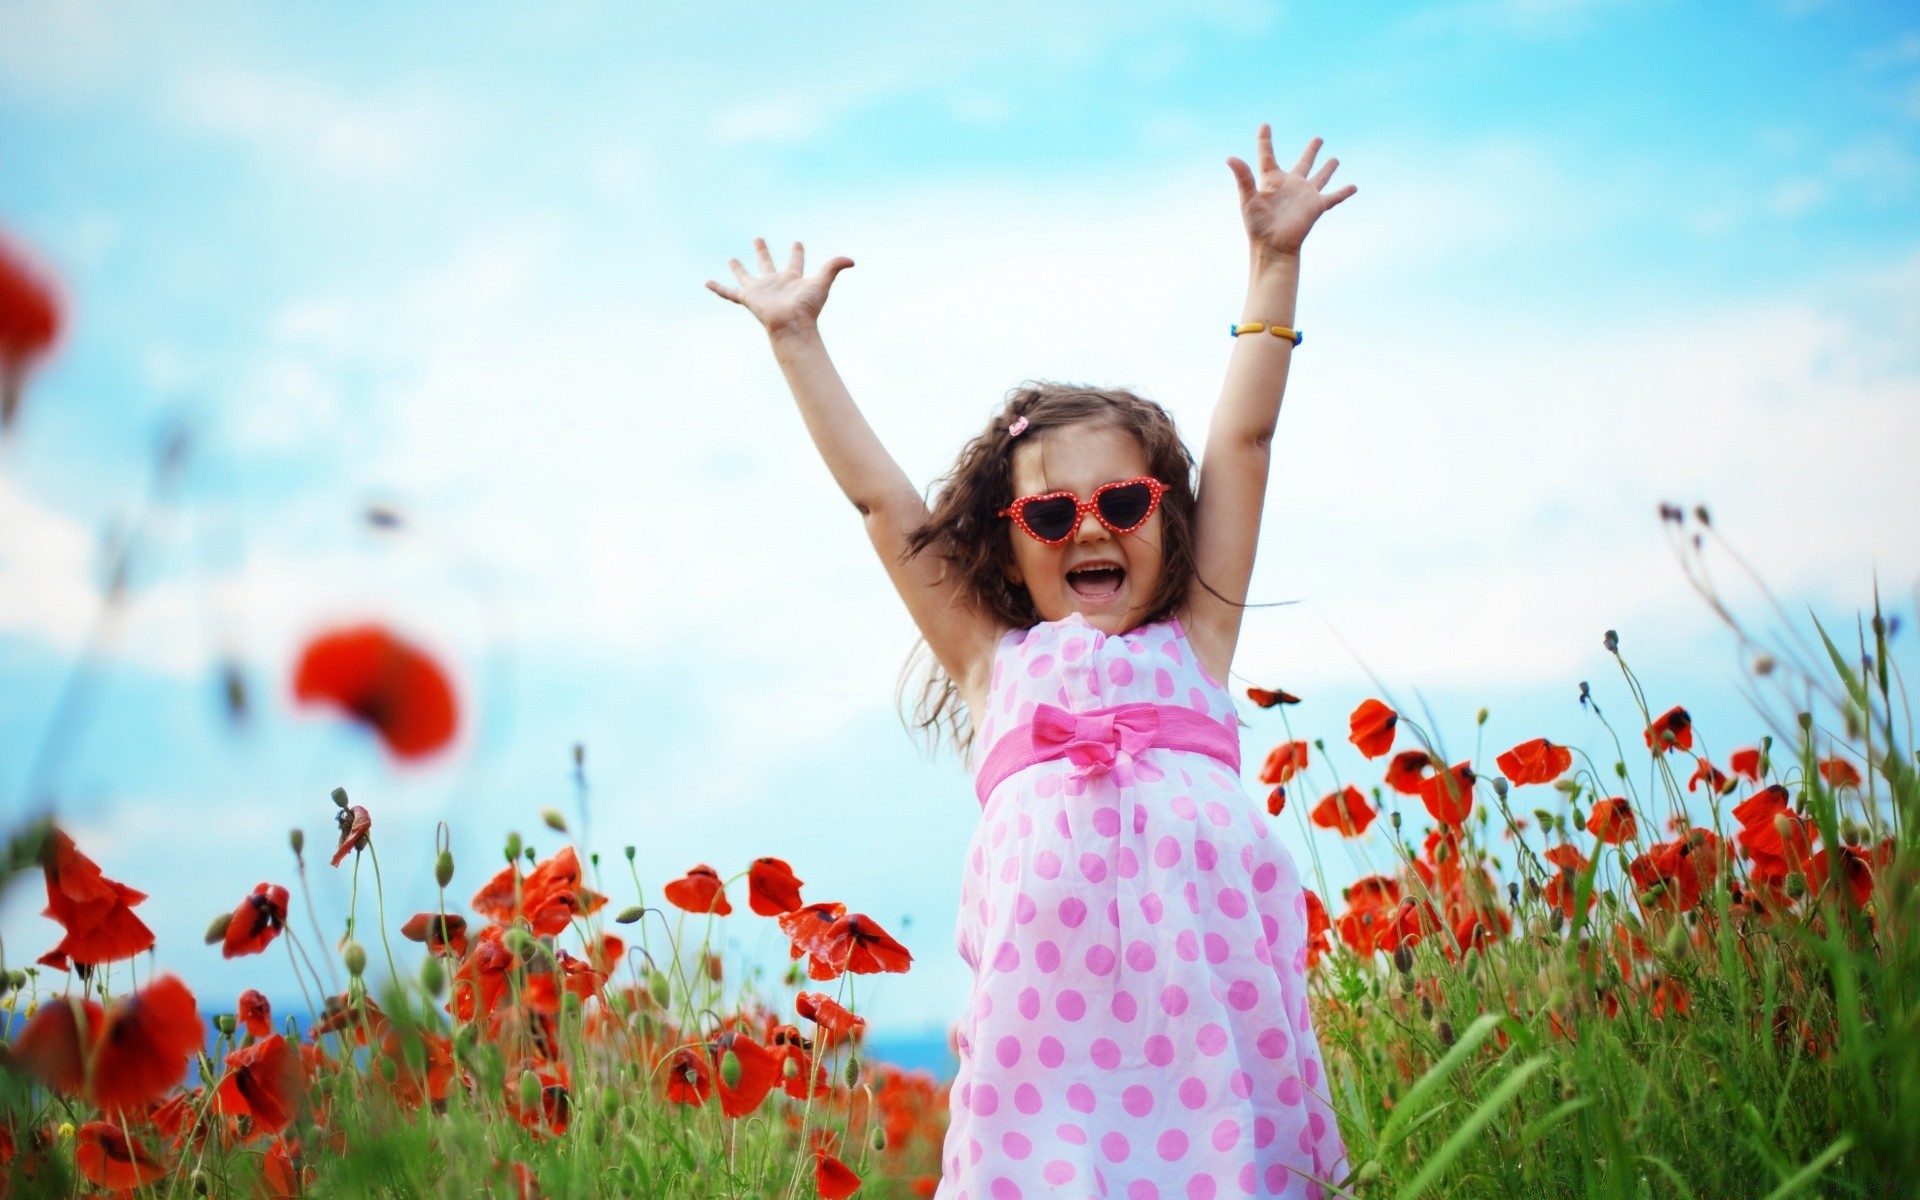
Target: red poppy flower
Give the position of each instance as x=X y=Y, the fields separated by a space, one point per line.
x=689 y=1081
x=1705 y=772
x=107 y=1159
x=833 y=1019
x=442 y=934
x=1373 y=891
x=699 y=891
x=1268 y=697
x=1537 y=761
x=1276 y=801
x=1563 y=890
x=1854 y=865
x=280 y=1173
x=1448 y=795
x=1762 y=807
x=496 y=900
x=126 y=1057
x=264 y=1081
x=605 y=953
x=96 y=912
x=1746 y=763
x=413 y=1086
x=1566 y=857
x=1839 y=773
x=771 y=887
x=1318 y=926
x=1683 y=868
x=29 y=321
x=1283 y=761
x=382 y=682
x=1671 y=728
x=809 y=927
x=832 y=1178
x=1668 y=994
x=1372 y=727
x=1409 y=925
x=255 y=1013
x=759 y=1072
x=552 y=894
x=257 y=921
x=857 y=943
x=1408 y=770
x=1346 y=810
x=1612 y=821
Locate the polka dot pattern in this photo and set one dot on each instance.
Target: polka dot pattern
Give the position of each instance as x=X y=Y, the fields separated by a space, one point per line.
x=1138 y=1024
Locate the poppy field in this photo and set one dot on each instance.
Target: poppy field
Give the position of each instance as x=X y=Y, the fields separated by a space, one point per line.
x=1662 y=965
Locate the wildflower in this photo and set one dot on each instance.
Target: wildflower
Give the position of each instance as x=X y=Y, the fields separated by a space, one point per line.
x=107 y=1158
x=1276 y=801
x=1705 y=772
x=96 y=912
x=118 y=1059
x=1612 y=821
x=29 y=322
x=1839 y=773
x=758 y=1072
x=1407 y=770
x=1537 y=761
x=834 y=1020
x=699 y=891
x=1448 y=795
x=1671 y=728
x=264 y=1081
x=1682 y=868
x=1317 y=928
x=1372 y=727
x=1854 y=865
x=552 y=894
x=808 y=928
x=1347 y=811
x=1561 y=891
x=1746 y=763
x=1668 y=993
x=256 y=921
x=772 y=888
x=857 y=943
x=386 y=684
x=255 y=1012
x=1283 y=761
x=1269 y=697
x=356 y=823
x=832 y=1178
x=442 y=933
x=688 y=1079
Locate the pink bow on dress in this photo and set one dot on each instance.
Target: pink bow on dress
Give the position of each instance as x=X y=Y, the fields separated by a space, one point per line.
x=1098 y=742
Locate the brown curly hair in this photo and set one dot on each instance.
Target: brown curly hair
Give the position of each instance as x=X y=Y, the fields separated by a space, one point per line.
x=964 y=529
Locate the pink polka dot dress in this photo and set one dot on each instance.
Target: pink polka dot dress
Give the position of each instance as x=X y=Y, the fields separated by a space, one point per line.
x=1138 y=1022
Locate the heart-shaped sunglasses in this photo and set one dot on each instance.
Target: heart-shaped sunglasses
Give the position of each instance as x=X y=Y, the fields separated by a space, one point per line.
x=1122 y=506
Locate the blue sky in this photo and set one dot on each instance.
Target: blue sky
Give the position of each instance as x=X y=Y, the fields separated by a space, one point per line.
x=1603 y=255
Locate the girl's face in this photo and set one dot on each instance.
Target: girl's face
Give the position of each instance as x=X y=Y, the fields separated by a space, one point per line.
x=1107 y=578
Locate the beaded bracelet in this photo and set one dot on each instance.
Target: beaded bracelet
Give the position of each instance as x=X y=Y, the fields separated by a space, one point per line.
x=1279 y=331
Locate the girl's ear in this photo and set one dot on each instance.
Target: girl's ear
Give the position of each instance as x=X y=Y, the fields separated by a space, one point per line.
x=1014 y=574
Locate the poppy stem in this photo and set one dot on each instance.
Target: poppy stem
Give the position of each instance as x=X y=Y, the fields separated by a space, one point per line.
x=380 y=909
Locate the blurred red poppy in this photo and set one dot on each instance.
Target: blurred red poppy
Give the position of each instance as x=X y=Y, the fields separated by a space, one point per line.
x=1612 y=821
x=552 y=894
x=833 y=1179
x=386 y=684
x=255 y=1013
x=823 y=1010
x=772 y=888
x=1671 y=728
x=1372 y=726
x=1448 y=795
x=699 y=891
x=120 y=1059
x=1717 y=781
x=1854 y=865
x=1839 y=773
x=688 y=1079
x=1408 y=770
x=759 y=1072
x=29 y=322
x=264 y=1081
x=443 y=934
x=108 y=1159
x=1269 y=697
x=1746 y=763
x=1346 y=810
x=1318 y=926
x=96 y=912
x=355 y=824
x=857 y=943
x=1276 y=801
x=1283 y=761
x=808 y=927
x=1537 y=761
x=256 y=921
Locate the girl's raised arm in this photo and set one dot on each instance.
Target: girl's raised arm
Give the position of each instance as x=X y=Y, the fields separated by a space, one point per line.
x=788 y=303
x=1278 y=211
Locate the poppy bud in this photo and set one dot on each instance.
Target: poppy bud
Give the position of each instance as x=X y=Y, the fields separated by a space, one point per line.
x=298 y=840
x=570 y=1004
x=1403 y=959
x=1675 y=944
x=389 y=1070
x=629 y=853
x=433 y=976
x=554 y=820
x=1426 y=1009
x=1849 y=831
x=217 y=928
x=1611 y=641
x=853 y=1070
x=1480 y=718
x=713 y=967
x=1394 y=818
x=879 y=1138
x=225 y=1023
x=1763 y=664
x=1567 y=787
x=630 y=914
x=530 y=1089
x=1568 y=1091
x=1445 y=1033
x=1806 y=720
x=794 y=977
x=355 y=958
x=1369 y=1171
x=609 y=1103
x=340 y=799
x=1796 y=884
x=730 y=1069
x=790 y=1069
x=513 y=846
x=443 y=868
x=659 y=987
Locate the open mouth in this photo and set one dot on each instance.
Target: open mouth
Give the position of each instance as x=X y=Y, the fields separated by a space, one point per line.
x=1098 y=582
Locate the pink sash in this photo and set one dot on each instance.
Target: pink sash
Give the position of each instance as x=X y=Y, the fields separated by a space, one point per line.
x=1104 y=740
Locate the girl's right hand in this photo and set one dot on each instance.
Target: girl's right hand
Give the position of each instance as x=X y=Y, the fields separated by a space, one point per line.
x=782 y=299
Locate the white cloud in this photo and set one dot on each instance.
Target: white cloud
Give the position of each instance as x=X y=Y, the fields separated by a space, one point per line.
x=301 y=125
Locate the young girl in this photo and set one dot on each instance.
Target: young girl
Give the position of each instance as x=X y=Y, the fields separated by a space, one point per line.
x=1138 y=1025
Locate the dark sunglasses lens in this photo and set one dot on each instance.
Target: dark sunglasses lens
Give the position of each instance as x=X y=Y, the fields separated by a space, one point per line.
x=1125 y=507
x=1052 y=518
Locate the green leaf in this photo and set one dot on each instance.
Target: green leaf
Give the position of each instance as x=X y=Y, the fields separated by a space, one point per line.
x=1469 y=1130
x=1417 y=1095
x=1799 y=1179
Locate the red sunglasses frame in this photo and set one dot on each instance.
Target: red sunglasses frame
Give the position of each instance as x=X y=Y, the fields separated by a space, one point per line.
x=1018 y=509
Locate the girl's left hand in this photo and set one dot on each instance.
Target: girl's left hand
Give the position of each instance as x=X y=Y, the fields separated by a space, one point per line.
x=1285 y=204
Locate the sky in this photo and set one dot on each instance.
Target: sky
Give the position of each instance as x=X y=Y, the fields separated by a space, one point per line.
x=1605 y=254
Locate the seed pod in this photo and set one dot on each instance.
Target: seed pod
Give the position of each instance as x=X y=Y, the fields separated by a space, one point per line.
x=659 y=987
x=1403 y=958
x=433 y=976
x=853 y=1070
x=518 y=941
x=730 y=1069
x=389 y=1070
x=298 y=840
x=1611 y=642
x=609 y=1102
x=631 y=913
x=790 y=1069
x=1445 y=1032
x=217 y=928
x=225 y=1023
x=629 y=853
x=1426 y=1009
x=340 y=798
x=1500 y=786
x=553 y=819
x=1796 y=884
x=355 y=958
x=1369 y=1171
x=513 y=846
x=443 y=868
x=879 y=1138
x=570 y=1004
x=1480 y=718
x=530 y=1089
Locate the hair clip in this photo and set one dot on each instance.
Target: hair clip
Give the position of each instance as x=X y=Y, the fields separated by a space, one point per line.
x=1018 y=427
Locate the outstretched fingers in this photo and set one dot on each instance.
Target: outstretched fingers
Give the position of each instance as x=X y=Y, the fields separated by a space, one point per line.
x=739 y=270
x=832 y=269
x=1325 y=173
x=766 y=260
x=724 y=292
x=1243 y=175
x=1306 y=158
x=797 y=261
x=1269 y=165
x=1338 y=196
